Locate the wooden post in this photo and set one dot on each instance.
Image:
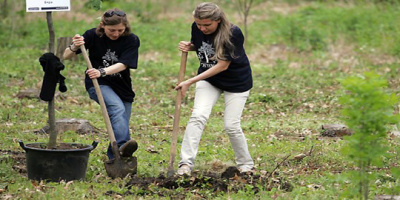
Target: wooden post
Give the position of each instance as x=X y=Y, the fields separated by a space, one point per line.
x=52 y=118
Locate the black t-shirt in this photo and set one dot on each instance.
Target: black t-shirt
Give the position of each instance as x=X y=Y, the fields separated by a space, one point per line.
x=237 y=78
x=104 y=52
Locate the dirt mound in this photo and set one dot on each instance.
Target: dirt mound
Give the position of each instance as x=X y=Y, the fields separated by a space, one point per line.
x=199 y=184
x=204 y=184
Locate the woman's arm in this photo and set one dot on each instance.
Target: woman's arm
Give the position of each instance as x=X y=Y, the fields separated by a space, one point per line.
x=115 y=68
x=77 y=41
x=221 y=66
x=68 y=53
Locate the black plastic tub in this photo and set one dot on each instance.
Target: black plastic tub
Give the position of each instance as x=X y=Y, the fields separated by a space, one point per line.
x=57 y=164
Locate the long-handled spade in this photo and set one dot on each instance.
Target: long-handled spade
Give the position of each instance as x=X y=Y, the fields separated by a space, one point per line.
x=115 y=167
x=175 y=130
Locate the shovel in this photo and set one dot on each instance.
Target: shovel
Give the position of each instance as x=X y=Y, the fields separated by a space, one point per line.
x=115 y=168
x=175 y=130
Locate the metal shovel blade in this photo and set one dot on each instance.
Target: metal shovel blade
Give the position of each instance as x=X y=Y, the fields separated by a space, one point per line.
x=120 y=168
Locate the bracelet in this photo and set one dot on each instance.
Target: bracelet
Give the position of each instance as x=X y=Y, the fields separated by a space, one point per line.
x=102 y=72
x=71 y=48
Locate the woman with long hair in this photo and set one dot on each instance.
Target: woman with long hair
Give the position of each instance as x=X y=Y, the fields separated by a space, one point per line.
x=224 y=69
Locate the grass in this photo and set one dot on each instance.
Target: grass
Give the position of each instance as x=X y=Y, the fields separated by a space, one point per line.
x=297 y=59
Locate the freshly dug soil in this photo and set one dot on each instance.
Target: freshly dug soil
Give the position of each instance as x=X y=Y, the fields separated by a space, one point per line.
x=203 y=185
x=199 y=184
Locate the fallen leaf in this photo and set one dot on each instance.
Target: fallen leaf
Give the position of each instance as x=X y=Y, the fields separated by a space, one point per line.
x=7 y=196
x=315 y=186
x=239 y=179
x=38 y=186
x=150 y=149
x=299 y=157
x=68 y=184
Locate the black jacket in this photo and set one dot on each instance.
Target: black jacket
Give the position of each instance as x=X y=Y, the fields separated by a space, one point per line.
x=51 y=66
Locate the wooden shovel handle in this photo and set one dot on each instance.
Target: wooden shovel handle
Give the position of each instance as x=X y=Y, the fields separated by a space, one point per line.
x=102 y=103
x=178 y=103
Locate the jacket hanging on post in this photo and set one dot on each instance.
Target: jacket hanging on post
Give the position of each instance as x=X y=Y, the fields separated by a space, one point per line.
x=51 y=66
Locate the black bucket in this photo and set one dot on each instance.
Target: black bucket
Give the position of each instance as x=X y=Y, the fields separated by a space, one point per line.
x=57 y=164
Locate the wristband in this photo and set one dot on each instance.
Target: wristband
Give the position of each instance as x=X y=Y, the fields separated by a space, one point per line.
x=70 y=48
x=102 y=72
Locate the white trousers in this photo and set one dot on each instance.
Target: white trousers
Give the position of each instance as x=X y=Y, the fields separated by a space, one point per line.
x=205 y=98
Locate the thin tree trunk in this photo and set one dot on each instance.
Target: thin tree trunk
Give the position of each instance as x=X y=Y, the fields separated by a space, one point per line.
x=244 y=10
x=4 y=9
x=365 y=183
x=51 y=31
x=52 y=118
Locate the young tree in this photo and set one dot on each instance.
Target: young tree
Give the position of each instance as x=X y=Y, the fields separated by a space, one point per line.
x=367 y=110
x=244 y=7
x=95 y=4
x=244 y=10
x=51 y=110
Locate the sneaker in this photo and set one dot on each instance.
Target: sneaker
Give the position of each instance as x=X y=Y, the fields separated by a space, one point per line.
x=247 y=170
x=184 y=169
x=128 y=148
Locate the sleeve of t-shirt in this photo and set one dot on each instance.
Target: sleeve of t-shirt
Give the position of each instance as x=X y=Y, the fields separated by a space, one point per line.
x=129 y=56
x=193 y=33
x=238 y=40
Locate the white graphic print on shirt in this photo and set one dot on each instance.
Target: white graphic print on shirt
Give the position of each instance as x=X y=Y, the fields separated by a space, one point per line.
x=206 y=51
x=109 y=59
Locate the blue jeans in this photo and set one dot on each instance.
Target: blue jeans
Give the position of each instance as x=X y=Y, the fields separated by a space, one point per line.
x=119 y=113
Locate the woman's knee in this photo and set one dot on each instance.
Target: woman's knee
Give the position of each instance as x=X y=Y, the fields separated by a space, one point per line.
x=116 y=110
x=199 y=117
x=233 y=127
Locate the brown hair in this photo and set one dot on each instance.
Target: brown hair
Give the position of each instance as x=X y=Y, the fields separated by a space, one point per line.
x=223 y=33
x=113 y=17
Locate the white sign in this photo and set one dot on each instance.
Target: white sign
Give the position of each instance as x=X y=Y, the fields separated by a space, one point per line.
x=47 y=5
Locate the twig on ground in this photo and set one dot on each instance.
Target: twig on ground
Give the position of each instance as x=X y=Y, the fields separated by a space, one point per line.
x=273 y=171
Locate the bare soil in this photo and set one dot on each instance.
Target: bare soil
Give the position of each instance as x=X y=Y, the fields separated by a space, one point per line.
x=60 y=146
x=177 y=187
x=230 y=180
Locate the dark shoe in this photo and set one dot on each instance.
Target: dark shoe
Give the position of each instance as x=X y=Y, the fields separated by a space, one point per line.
x=128 y=148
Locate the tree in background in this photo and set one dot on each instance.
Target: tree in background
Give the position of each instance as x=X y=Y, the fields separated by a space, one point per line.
x=4 y=10
x=368 y=109
x=244 y=7
x=94 y=4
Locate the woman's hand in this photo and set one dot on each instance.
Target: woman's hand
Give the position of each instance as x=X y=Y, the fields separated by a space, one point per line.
x=185 y=46
x=77 y=41
x=183 y=86
x=93 y=73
